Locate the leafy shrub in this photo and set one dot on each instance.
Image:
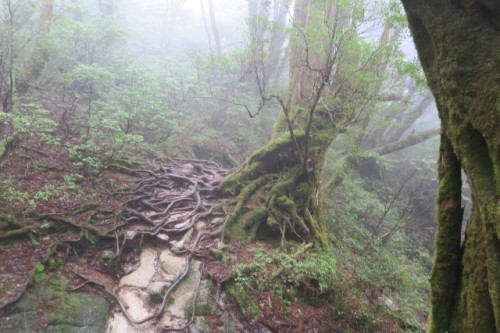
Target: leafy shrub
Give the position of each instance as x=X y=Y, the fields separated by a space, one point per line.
x=377 y=277
x=286 y=277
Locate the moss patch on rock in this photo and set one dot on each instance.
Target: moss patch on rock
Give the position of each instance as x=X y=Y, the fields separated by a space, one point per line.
x=49 y=307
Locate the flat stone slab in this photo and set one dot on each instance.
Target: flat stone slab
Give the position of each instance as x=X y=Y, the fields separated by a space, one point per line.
x=142 y=290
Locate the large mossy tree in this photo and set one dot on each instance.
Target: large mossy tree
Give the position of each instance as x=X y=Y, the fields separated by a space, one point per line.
x=458 y=44
x=337 y=74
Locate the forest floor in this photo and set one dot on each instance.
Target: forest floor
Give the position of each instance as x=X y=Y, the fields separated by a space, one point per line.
x=145 y=238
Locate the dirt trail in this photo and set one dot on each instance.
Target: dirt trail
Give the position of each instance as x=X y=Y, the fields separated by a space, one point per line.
x=168 y=227
x=179 y=220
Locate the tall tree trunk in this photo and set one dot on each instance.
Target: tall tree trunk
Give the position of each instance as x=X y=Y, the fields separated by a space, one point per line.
x=215 y=30
x=458 y=43
x=268 y=35
x=39 y=57
x=209 y=37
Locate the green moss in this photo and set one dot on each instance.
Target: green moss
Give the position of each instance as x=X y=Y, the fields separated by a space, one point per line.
x=242 y=225
x=3 y=149
x=272 y=222
x=304 y=189
x=247 y=301
x=85 y=207
x=283 y=186
x=282 y=141
x=272 y=183
x=445 y=275
x=63 y=311
x=285 y=202
x=205 y=309
x=256 y=216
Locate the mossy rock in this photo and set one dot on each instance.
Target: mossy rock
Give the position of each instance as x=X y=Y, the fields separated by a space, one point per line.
x=249 y=304
x=48 y=307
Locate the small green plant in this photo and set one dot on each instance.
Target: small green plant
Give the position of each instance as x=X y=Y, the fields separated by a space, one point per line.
x=39 y=274
x=69 y=181
x=46 y=192
x=15 y=196
x=314 y=273
x=55 y=261
x=286 y=277
x=378 y=274
x=70 y=189
x=86 y=156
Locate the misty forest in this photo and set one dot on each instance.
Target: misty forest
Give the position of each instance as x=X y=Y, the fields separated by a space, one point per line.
x=295 y=166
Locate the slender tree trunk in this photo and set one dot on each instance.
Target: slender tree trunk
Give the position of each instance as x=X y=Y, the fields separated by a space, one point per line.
x=209 y=37
x=458 y=43
x=39 y=57
x=215 y=30
x=350 y=162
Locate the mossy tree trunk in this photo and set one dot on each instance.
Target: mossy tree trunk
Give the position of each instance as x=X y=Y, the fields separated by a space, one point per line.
x=278 y=186
x=275 y=194
x=458 y=43
x=333 y=77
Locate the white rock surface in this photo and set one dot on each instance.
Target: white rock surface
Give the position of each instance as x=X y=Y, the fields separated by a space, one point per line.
x=157 y=270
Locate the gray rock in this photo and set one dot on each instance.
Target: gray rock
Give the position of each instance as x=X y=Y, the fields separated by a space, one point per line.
x=107 y=254
x=48 y=308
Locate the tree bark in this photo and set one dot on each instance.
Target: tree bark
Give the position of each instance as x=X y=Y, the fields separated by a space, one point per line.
x=458 y=43
x=446 y=259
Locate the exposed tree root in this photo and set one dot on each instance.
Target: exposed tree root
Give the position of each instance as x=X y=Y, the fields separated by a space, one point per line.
x=177 y=204
x=274 y=194
x=15 y=232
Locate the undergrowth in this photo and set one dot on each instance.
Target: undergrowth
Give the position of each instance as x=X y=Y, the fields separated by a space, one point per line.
x=379 y=277
x=285 y=277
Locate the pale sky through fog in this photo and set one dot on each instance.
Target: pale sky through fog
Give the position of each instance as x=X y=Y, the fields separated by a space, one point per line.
x=180 y=21
x=226 y=11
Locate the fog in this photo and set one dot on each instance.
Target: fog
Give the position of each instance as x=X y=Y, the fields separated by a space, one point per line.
x=176 y=27
x=183 y=29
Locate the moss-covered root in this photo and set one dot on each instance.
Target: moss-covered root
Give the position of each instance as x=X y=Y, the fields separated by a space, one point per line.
x=284 y=204
x=242 y=223
x=274 y=191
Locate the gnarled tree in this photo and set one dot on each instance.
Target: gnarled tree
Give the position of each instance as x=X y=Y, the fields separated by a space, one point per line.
x=458 y=43
x=336 y=76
